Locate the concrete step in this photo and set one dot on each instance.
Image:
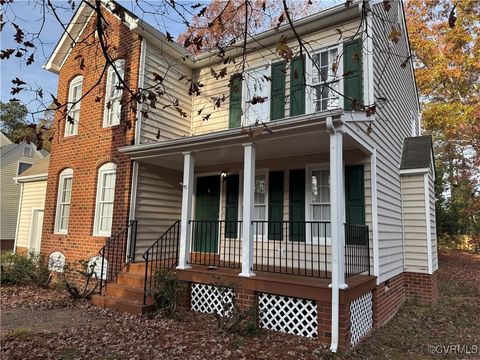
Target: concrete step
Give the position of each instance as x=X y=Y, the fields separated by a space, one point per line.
x=121 y=304
x=136 y=268
x=124 y=291
x=133 y=280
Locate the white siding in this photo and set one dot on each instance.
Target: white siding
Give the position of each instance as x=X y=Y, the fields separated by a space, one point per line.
x=433 y=223
x=392 y=125
x=414 y=225
x=167 y=120
x=158 y=203
x=33 y=197
x=10 y=156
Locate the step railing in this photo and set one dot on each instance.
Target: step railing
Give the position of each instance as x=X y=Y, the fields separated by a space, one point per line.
x=161 y=256
x=114 y=254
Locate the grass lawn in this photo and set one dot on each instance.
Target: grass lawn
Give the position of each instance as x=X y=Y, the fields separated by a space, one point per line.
x=45 y=324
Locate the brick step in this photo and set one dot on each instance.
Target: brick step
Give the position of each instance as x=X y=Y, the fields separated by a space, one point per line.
x=124 y=291
x=129 y=279
x=124 y=305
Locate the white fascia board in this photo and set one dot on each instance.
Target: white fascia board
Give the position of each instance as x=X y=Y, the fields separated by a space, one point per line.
x=30 y=178
x=413 y=171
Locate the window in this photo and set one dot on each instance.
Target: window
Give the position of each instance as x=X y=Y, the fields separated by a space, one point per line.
x=113 y=94
x=260 y=203
x=319 y=202
x=105 y=197
x=73 y=116
x=22 y=167
x=63 y=201
x=257 y=101
x=27 y=151
x=325 y=81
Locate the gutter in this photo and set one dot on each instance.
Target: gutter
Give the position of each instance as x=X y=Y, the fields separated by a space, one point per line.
x=30 y=178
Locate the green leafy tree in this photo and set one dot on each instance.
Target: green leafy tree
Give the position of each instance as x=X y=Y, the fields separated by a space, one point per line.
x=13 y=119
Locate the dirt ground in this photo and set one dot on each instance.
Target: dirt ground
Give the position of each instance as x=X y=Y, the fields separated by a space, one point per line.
x=45 y=324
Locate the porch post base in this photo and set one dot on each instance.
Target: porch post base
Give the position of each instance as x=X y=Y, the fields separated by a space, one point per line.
x=183 y=267
x=340 y=286
x=247 y=274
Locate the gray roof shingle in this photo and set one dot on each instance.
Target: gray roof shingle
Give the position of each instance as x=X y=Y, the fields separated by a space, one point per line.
x=417 y=152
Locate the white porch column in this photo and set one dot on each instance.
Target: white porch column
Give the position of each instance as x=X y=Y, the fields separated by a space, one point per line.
x=337 y=206
x=248 y=209
x=187 y=197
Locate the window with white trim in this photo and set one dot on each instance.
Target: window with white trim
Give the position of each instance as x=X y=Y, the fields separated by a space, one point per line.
x=257 y=99
x=105 y=197
x=22 y=167
x=63 y=201
x=113 y=94
x=324 y=80
x=319 y=202
x=73 y=115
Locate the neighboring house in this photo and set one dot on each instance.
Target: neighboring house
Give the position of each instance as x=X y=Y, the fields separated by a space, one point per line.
x=33 y=183
x=14 y=160
x=326 y=218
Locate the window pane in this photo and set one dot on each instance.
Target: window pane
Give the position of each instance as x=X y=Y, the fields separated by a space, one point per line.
x=324 y=195
x=325 y=212
x=257 y=103
x=315 y=186
x=260 y=189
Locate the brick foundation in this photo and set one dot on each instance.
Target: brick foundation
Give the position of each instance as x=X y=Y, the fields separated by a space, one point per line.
x=388 y=297
x=245 y=298
x=421 y=288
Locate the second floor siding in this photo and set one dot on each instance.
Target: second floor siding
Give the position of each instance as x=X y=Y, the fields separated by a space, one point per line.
x=163 y=121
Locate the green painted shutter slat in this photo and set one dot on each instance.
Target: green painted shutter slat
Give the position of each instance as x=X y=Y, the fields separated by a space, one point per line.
x=275 y=205
x=297 y=87
x=297 y=205
x=352 y=69
x=354 y=202
x=231 y=206
x=235 y=108
x=277 y=105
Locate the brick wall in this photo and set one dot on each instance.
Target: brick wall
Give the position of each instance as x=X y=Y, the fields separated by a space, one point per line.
x=387 y=299
x=93 y=146
x=421 y=288
x=244 y=298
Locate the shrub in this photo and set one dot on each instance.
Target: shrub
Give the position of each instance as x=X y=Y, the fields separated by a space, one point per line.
x=30 y=268
x=165 y=293
x=80 y=279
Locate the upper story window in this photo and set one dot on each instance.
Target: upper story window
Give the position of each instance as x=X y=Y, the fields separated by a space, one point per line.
x=74 y=96
x=27 y=151
x=257 y=100
x=113 y=94
x=324 y=81
x=63 y=201
x=105 y=197
x=22 y=167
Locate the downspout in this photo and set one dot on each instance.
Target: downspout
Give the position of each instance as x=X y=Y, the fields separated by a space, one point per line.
x=18 y=215
x=335 y=283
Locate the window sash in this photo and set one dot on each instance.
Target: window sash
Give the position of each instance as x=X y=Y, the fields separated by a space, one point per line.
x=74 y=96
x=113 y=95
x=257 y=85
x=63 y=202
x=105 y=202
x=324 y=78
x=319 y=202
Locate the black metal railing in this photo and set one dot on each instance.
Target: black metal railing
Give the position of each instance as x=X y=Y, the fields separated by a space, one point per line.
x=114 y=254
x=216 y=243
x=294 y=248
x=161 y=256
x=357 y=250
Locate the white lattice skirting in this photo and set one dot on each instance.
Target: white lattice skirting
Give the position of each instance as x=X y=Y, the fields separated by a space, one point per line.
x=288 y=314
x=211 y=299
x=361 y=317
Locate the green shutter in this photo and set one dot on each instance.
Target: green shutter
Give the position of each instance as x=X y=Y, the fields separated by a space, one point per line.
x=275 y=205
x=352 y=69
x=297 y=86
x=231 y=206
x=297 y=205
x=355 y=195
x=277 y=105
x=235 y=109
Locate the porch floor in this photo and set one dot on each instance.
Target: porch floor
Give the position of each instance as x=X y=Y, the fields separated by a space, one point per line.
x=313 y=288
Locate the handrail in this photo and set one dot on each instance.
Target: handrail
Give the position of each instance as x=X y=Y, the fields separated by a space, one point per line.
x=115 y=250
x=161 y=255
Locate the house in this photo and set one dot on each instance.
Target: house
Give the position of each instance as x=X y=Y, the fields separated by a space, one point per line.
x=33 y=188
x=319 y=214
x=14 y=160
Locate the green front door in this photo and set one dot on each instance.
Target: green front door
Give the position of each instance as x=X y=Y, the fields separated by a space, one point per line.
x=207 y=204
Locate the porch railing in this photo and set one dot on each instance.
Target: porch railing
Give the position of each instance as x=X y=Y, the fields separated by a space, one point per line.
x=357 y=250
x=113 y=254
x=216 y=243
x=294 y=248
x=161 y=256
